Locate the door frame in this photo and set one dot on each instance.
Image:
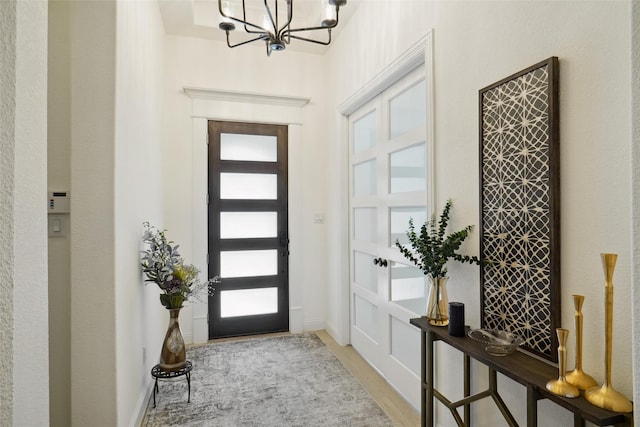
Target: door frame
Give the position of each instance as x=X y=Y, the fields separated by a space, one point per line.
x=257 y=323
x=211 y=104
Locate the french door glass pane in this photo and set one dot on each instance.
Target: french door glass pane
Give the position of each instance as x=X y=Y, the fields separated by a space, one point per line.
x=364 y=178
x=245 y=225
x=408 y=287
x=365 y=224
x=408 y=110
x=247 y=302
x=256 y=148
x=364 y=132
x=405 y=346
x=365 y=271
x=400 y=222
x=408 y=170
x=366 y=316
x=248 y=263
x=252 y=186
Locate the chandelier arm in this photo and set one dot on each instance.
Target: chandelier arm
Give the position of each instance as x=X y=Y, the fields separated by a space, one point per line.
x=240 y=21
x=245 y=22
x=270 y=15
x=282 y=32
x=287 y=32
x=263 y=37
x=311 y=40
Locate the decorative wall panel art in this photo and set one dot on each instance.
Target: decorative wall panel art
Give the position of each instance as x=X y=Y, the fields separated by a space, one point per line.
x=519 y=208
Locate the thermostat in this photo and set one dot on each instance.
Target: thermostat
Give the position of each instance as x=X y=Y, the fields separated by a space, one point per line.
x=58 y=202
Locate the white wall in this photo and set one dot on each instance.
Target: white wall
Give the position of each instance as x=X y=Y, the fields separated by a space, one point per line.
x=140 y=319
x=206 y=64
x=115 y=98
x=92 y=228
x=59 y=179
x=476 y=44
x=24 y=386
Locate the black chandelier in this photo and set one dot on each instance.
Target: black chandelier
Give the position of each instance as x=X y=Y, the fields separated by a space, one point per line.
x=275 y=35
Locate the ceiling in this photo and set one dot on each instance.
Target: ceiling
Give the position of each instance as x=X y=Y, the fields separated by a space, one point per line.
x=199 y=18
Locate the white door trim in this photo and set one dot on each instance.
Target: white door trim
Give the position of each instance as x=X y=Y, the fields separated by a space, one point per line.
x=213 y=104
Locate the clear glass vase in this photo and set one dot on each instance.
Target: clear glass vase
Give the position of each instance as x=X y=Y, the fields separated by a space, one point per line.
x=438 y=301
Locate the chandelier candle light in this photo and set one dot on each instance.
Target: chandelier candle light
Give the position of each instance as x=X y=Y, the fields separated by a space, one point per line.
x=274 y=31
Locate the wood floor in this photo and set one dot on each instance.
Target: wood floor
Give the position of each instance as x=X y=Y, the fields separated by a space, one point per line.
x=397 y=409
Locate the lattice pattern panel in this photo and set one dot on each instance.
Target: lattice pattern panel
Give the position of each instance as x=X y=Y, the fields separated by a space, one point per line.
x=519 y=218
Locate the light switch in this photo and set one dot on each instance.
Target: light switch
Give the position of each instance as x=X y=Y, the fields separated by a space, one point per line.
x=58 y=225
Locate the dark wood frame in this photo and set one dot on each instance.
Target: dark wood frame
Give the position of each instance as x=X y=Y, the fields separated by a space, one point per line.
x=553 y=178
x=255 y=324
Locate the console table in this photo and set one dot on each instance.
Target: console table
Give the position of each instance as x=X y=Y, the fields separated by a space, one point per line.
x=158 y=373
x=532 y=373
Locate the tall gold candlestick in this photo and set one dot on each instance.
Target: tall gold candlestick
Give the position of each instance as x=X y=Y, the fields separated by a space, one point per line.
x=605 y=396
x=560 y=386
x=578 y=377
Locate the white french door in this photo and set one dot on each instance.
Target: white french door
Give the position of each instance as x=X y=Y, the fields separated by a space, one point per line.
x=390 y=170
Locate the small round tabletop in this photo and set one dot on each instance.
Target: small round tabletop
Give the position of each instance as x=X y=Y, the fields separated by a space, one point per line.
x=158 y=372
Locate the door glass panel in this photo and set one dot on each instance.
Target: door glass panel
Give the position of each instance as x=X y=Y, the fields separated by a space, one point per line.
x=248 y=302
x=364 y=132
x=400 y=222
x=364 y=221
x=248 y=263
x=365 y=273
x=408 y=170
x=364 y=178
x=252 y=186
x=366 y=317
x=241 y=225
x=256 y=148
x=408 y=110
x=408 y=287
x=405 y=340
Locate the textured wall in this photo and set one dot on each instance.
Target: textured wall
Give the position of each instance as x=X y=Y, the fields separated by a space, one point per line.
x=635 y=167
x=31 y=338
x=7 y=148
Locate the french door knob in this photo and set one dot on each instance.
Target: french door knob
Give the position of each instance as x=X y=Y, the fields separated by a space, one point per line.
x=381 y=262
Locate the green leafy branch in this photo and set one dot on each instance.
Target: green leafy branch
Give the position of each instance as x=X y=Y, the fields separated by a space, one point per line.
x=431 y=249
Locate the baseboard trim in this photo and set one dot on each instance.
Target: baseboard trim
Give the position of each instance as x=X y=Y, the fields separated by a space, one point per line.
x=141 y=405
x=313 y=325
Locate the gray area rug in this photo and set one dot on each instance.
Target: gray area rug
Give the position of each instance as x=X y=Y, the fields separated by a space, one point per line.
x=291 y=380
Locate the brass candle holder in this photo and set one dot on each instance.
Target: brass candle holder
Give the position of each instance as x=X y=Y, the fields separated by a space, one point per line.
x=605 y=396
x=560 y=386
x=578 y=377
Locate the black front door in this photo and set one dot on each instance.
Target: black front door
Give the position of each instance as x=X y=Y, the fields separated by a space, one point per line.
x=248 y=236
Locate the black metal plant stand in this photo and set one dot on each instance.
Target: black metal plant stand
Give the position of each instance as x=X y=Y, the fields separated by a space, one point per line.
x=158 y=373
